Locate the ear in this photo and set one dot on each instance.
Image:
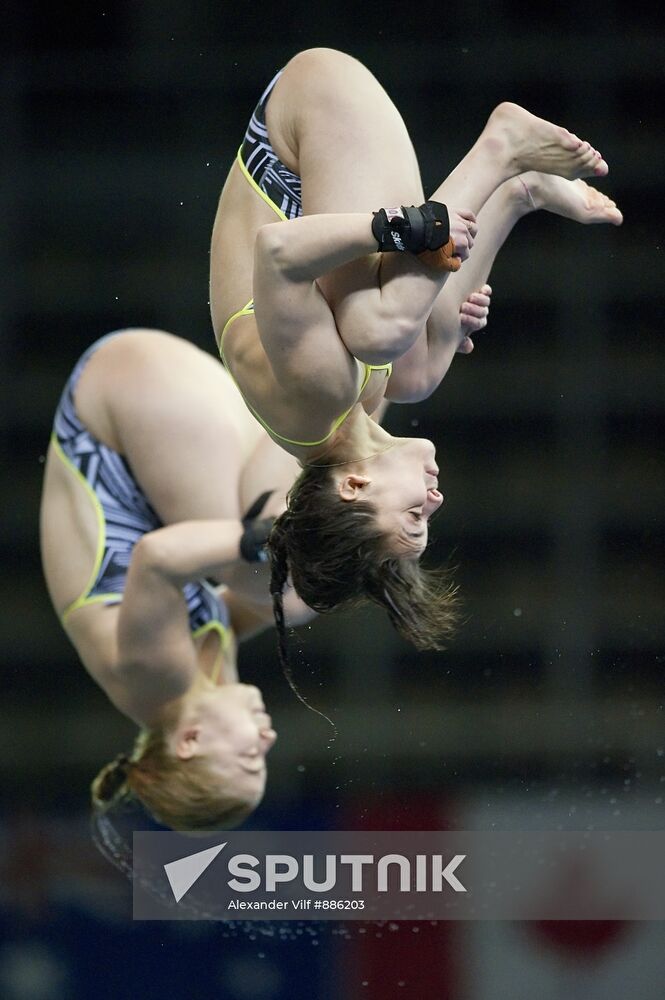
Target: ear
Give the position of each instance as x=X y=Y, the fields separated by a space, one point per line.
x=187 y=743
x=350 y=487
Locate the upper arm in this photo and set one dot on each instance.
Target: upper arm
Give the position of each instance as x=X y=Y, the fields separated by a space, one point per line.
x=250 y=618
x=296 y=325
x=419 y=372
x=156 y=653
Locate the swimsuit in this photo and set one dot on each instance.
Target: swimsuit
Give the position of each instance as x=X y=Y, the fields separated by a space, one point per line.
x=124 y=515
x=271 y=179
x=281 y=189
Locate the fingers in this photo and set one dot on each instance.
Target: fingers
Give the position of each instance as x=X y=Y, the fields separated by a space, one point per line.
x=468 y=217
x=466 y=346
x=463 y=229
x=463 y=241
x=472 y=324
x=475 y=310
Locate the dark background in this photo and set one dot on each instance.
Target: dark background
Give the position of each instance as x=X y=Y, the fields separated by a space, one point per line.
x=119 y=122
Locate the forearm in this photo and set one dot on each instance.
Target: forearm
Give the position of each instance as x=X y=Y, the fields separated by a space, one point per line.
x=190 y=550
x=304 y=249
x=419 y=371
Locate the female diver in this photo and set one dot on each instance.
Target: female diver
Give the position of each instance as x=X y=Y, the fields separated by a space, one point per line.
x=150 y=431
x=317 y=327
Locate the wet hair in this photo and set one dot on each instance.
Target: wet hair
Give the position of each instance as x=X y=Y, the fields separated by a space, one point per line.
x=180 y=794
x=336 y=554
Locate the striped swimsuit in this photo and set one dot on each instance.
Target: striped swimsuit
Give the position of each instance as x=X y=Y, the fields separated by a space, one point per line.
x=271 y=179
x=281 y=189
x=123 y=512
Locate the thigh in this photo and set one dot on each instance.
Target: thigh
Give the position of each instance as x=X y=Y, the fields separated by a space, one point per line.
x=165 y=400
x=343 y=135
x=331 y=122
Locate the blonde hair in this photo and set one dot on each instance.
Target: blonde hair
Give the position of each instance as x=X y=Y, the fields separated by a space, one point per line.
x=180 y=794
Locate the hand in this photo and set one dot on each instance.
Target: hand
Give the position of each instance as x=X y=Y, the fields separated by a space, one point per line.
x=463 y=231
x=254 y=538
x=256 y=530
x=473 y=317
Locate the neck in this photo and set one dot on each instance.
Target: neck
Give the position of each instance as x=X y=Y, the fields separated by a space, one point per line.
x=358 y=438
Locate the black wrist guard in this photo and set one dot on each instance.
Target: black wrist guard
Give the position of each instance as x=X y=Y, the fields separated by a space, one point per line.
x=254 y=538
x=409 y=228
x=256 y=532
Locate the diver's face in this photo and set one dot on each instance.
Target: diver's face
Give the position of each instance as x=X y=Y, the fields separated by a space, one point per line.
x=236 y=734
x=402 y=483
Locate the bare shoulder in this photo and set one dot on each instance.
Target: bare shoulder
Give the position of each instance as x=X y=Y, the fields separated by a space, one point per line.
x=93 y=631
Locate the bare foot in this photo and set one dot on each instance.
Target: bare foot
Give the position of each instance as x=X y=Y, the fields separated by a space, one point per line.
x=530 y=143
x=574 y=200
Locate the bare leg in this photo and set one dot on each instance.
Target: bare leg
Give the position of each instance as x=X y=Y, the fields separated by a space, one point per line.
x=331 y=121
x=421 y=369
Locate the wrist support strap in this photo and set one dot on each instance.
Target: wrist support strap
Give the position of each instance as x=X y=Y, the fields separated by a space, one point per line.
x=256 y=531
x=409 y=228
x=444 y=258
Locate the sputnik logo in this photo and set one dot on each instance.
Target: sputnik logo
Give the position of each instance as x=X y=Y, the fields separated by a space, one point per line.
x=183 y=873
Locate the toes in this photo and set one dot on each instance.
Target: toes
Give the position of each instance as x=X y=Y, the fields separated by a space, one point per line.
x=573 y=142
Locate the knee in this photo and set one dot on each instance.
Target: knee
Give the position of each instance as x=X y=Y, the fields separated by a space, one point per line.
x=323 y=75
x=321 y=60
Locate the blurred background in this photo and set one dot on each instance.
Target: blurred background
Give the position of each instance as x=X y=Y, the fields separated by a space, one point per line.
x=119 y=122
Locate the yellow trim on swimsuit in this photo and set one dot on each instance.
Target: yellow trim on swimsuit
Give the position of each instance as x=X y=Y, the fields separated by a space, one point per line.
x=83 y=599
x=248 y=310
x=258 y=190
x=111 y=598
x=224 y=642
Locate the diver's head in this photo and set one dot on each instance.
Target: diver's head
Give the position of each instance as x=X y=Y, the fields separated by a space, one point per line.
x=401 y=483
x=355 y=531
x=203 y=766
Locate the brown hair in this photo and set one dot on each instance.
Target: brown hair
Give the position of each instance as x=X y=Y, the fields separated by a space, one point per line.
x=336 y=554
x=181 y=794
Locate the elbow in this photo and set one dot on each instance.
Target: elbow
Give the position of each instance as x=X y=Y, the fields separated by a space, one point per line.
x=270 y=248
x=152 y=551
x=411 y=389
